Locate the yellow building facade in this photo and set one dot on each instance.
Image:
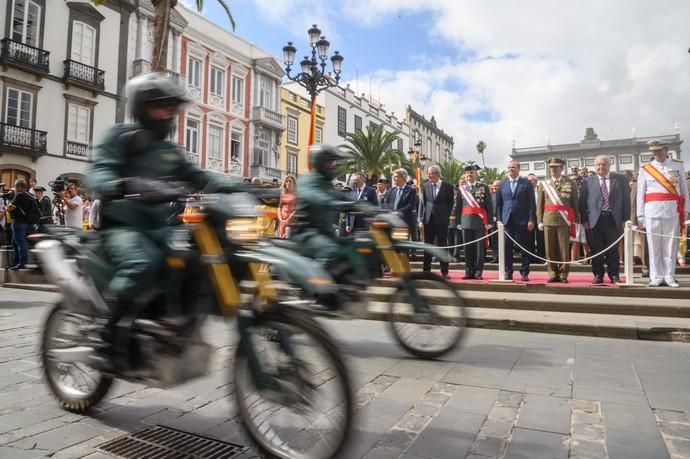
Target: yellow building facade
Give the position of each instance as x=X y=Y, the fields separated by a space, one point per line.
x=296 y=111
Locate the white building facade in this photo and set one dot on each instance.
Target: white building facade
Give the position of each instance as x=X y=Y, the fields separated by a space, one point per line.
x=61 y=81
x=437 y=146
x=624 y=154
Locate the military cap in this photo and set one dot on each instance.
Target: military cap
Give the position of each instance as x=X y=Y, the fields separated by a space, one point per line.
x=472 y=167
x=656 y=145
x=39 y=188
x=554 y=162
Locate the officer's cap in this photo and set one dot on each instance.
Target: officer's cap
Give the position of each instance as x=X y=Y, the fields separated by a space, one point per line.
x=556 y=162
x=656 y=145
x=472 y=167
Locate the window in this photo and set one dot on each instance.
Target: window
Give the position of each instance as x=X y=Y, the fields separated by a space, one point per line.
x=524 y=166
x=26 y=22
x=235 y=146
x=628 y=159
x=192 y=136
x=215 y=142
x=217 y=82
x=574 y=163
x=238 y=90
x=83 y=43
x=589 y=162
x=292 y=164
x=358 y=123
x=18 y=111
x=318 y=135
x=78 y=124
x=194 y=72
x=373 y=126
x=292 y=130
x=539 y=166
x=400 y=144
x=438 y=151
x=612 y=160
x=342 y=121
x=266 y=93
x=645 y=158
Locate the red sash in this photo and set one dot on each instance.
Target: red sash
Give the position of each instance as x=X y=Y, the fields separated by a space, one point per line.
x=568 y=210
x=476 y=211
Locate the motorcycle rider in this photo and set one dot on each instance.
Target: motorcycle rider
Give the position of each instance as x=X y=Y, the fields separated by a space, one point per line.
x=127 y=163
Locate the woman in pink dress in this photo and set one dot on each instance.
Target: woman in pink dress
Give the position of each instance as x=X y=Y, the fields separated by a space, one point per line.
x=286 y=208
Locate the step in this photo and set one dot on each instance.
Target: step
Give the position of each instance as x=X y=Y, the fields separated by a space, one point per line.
x=568 y=323
x=535 y=267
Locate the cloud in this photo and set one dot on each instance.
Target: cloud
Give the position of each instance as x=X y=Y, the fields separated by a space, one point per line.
x=298 y=15
x=543 y=69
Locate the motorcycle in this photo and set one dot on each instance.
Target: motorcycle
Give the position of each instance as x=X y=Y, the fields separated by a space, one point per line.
x=425 y=312
x=285 y=387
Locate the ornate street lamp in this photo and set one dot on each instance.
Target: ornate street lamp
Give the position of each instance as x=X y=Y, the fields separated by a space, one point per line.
x=418 y=160
x=313 y=76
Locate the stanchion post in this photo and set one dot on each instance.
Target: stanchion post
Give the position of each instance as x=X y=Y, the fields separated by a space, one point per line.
x=501 y=252
x=628 y=246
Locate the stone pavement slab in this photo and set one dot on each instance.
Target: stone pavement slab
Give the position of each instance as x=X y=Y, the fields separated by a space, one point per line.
x=531 y=444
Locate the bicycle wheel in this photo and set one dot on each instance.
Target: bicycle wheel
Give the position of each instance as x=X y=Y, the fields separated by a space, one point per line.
x=426 y=315
x=306 y=409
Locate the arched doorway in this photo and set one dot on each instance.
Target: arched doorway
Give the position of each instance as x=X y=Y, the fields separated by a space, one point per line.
x=10 y=174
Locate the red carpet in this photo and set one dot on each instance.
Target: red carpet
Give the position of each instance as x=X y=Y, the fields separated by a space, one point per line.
x=539 y=278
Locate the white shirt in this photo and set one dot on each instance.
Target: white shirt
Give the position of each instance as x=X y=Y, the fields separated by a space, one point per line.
x=646 y=184
x=73 y=217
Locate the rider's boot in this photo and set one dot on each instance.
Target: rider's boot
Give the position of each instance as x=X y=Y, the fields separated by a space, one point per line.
x=104 y=339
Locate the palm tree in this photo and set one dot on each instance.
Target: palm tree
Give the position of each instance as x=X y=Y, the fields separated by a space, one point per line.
x=373 y=152
x=162 y=10
x=490 y=174
x=481 y=146
x=452 y=171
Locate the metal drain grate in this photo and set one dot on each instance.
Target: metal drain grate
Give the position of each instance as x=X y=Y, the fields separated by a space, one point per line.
x=159 y=442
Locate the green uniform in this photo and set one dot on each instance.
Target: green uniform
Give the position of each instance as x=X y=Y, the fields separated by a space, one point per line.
x=135 y=234
x=556 y=229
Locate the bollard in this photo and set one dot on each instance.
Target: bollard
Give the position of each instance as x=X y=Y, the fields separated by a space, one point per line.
x=501 y=252
x=628 y=247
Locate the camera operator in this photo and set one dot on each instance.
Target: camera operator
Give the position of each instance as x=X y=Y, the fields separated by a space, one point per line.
x=73 y=206
x=19 y=208
x=45 y=207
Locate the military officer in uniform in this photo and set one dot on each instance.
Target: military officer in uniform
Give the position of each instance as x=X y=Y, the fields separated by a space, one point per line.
x=474 y=214
x=557 y=213
x=662 y=207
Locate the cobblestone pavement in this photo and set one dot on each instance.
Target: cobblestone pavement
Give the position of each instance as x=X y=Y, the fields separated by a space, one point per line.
x=502 y=395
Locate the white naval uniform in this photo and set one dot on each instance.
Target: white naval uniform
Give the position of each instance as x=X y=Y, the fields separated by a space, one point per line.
x=661 y=218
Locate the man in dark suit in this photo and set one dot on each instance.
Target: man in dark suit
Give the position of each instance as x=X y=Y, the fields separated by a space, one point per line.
x=360 y=192
x=604 y=208
x=474 y=212
x=401 y=198
x=434 y=212
x=516 y=208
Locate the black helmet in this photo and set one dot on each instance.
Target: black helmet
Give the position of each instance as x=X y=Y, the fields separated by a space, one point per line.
x=321 y=155
x=154 y=90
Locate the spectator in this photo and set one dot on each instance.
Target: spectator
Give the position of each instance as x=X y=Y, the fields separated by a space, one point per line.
x=95 y=215
x=256 y=181
x=19 y=208
x=453 y=230
x=32 y=186
x=557 y=214
x=537 y=237
x=604 y=209
x=662 y=206
x=381 y=191
x=3 y=240
x=360 y=192
x=73 y=206
x=45 y=207
x=286 y=208
x=516 y=209
x=401 y=198
x=493 y=240
x=434 y=211
x=474 y=212
x=579 y=241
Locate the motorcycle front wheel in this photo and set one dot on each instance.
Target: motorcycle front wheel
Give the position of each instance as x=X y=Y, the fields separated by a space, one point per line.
x=301 y=403
x=426 y=315
x=76 y=385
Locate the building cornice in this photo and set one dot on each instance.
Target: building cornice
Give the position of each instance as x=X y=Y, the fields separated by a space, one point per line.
x=429 y=125
x=598 y=145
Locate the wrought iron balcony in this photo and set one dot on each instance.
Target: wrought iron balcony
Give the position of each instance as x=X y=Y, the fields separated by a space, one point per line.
x=29 y=58
x=21 y=139
x=77 y=150
x=265 y=172
x=268 y=118
x=84 y=75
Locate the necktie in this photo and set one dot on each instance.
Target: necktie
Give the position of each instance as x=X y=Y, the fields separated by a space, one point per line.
x=604 y=194
x=398 y=193
x=513 y=183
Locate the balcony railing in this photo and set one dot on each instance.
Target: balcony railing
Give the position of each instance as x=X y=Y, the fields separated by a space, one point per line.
x=268 y=117
x=265 y=172
x=27 y=57
x=84 y=75
x=78 y=150
x=21 y=138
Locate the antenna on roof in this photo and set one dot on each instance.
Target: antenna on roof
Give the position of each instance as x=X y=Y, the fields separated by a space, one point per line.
x=677 y=127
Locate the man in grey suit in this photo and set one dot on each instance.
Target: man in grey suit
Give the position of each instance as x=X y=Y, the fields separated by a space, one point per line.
x=604 y=209
x=434 y=214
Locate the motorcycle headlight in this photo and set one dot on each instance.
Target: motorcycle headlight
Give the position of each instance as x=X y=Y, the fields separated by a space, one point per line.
x=400 y=234
x=242 y=229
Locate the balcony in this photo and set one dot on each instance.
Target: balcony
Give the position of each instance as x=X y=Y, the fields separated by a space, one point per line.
x=22 y=140
x=268 y=118
x=265 y=173
x=77 y=150
x=84 y=76
x=31 y=59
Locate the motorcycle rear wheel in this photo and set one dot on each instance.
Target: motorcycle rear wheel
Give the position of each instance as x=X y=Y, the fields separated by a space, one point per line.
x=76 y=386
x=441 y=326
x=276 y=419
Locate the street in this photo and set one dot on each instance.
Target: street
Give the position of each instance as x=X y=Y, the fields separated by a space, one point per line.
x=503 y=394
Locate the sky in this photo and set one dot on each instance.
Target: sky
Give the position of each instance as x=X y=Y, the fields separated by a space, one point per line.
x=503 y=71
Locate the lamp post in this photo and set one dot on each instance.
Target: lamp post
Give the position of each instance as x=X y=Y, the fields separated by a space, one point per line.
x=418 y=160
x=313 y=76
